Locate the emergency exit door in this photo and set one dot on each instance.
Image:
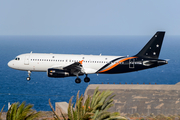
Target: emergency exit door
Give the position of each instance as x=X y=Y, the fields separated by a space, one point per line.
x=26 y=61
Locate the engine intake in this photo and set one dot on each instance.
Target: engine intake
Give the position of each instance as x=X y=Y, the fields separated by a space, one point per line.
x=57 y=73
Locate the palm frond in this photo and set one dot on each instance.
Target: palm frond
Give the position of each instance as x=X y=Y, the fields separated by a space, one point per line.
x=1 y=112
x=57 y=117
x=20 y=110
x=70 y=109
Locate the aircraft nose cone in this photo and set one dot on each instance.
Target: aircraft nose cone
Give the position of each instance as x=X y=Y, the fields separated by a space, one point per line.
x=10 y=64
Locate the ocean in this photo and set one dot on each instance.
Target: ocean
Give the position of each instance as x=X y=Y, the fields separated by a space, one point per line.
x=15 y=88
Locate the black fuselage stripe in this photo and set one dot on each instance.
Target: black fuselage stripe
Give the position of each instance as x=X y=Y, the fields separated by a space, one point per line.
x=109 y=63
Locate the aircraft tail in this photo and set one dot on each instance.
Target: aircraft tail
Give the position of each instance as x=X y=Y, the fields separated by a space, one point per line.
x=153 y=47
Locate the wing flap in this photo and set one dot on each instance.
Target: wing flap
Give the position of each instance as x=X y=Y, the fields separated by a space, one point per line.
x=75 y=68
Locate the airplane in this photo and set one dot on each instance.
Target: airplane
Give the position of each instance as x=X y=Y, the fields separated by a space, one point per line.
x=66 y=65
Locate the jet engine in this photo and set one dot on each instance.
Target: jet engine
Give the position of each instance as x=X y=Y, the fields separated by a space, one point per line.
x=57 y=73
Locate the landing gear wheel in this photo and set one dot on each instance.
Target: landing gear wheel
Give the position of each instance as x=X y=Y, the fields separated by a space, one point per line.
x=28 y=78
x=78 y=80
x=86 y=79
x=29 y=74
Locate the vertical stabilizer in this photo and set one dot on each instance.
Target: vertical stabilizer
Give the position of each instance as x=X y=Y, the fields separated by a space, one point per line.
x=153 y=47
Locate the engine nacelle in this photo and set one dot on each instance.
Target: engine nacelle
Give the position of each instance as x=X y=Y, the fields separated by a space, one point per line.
x=57 y=73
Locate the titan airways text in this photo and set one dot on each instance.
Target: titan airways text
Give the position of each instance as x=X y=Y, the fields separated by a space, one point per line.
x=65 y=65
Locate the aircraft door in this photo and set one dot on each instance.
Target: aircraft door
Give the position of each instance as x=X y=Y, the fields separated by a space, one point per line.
x=26 y=61
x=131 y=63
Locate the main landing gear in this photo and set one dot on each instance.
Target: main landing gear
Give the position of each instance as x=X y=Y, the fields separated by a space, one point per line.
x=29 y=76
x=78 y=80
x=86 y=79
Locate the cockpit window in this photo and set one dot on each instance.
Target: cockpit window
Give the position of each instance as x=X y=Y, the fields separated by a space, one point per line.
x=17 y=58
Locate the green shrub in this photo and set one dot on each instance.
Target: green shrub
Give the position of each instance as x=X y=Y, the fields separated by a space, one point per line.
x=92 y=108
x=19 y=111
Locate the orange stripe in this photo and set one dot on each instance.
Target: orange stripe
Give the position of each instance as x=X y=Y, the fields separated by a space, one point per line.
x=116 y=64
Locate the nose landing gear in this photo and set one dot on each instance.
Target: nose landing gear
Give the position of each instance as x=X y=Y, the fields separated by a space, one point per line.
x=29 y=74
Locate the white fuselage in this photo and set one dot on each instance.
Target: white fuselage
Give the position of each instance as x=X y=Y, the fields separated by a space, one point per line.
x=42 y=62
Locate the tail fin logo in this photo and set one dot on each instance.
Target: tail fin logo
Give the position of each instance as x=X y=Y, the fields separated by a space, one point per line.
x=153 y=47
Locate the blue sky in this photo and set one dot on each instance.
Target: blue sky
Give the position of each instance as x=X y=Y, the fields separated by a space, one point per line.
x=83 y=17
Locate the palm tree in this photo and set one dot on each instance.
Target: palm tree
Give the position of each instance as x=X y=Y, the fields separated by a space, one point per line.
x=93 y=108
x=19 y=111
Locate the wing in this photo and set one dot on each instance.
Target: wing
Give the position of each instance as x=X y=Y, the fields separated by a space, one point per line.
x=75 y=68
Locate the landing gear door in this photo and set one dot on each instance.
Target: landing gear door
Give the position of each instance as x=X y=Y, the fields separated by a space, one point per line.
x=26 y=61
x=131 y=63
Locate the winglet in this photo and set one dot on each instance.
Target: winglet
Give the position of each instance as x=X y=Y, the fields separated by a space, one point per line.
x=81 y=62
